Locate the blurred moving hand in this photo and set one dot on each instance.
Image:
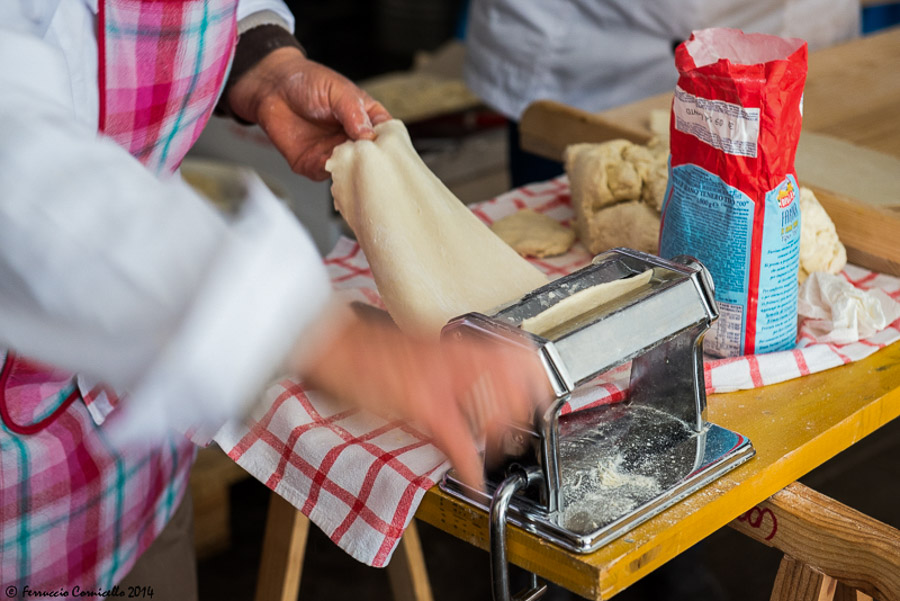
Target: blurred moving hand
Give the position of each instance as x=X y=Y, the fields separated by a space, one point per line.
x=376 y=367
x=456 y=392
x=305 y=108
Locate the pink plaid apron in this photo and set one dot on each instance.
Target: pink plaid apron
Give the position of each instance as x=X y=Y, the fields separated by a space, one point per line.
x=73 y=510
x=162 y=66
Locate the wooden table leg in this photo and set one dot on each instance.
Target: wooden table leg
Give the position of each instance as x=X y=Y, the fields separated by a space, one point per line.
x=282 y=555
x=409 y=577
x=796 y=581
x=284 y=544
x=846 y=593
x=831 y=551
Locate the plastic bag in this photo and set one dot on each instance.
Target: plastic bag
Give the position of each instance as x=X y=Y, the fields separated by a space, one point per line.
x=732 y=196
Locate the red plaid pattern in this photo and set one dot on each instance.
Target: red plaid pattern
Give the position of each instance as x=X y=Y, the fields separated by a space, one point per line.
x=74 y=510
x=361 y=478
x=161 y=68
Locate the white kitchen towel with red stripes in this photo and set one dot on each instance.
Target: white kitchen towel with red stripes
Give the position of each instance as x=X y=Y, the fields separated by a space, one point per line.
x=360 y=478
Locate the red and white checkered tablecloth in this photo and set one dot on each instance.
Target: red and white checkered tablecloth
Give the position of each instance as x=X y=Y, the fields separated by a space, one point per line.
x=361 y=478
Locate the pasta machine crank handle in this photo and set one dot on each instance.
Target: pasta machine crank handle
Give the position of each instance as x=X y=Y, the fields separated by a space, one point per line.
x=519 y=479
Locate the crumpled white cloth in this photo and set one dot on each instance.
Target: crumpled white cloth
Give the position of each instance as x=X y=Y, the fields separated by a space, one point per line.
x=841 y=313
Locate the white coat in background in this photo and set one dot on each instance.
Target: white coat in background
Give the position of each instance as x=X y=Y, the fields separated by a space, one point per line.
x=598 y=54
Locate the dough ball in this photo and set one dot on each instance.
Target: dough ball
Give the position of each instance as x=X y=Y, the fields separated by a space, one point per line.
x=623 y=180
x=587 y=176
x=641 y=157
x=534 y=234
x=631 y=224
x=659 y=148
x=820 y=248
x=618 y=175
x=654 y=190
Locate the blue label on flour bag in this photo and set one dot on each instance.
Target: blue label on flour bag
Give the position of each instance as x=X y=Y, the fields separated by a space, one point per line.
x=776 y=315
x=713 y=222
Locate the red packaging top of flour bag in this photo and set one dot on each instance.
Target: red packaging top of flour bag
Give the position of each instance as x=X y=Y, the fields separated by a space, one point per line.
x=732 y=196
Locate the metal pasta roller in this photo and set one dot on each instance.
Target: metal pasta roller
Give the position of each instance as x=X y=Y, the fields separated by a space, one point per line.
x=586 y=478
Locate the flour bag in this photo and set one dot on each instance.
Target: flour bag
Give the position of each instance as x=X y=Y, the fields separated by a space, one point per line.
x=732 y=196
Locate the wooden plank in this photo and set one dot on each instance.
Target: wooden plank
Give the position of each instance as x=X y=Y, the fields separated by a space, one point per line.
x=842 y=592
x=547 y=127
x=852 y=93
x=795 y=427
x=797 y=581
x=869 y=233
x=284 y=545
x=841 y=131
x=636 y=115
x=834 y=539
x=848 y=169
x=407 y=571
x=823 y=161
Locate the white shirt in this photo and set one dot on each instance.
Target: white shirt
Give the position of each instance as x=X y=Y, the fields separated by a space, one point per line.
x=598 y=54
x=110 y=272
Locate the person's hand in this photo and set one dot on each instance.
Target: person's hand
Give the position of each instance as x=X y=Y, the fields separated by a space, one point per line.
x=454 y=391
x=305 y=108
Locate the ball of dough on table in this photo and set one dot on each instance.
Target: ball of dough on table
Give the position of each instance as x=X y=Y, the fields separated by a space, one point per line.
x=641 y=157
x=617 y=193
x=631 y=224
x=623 y=180
x=651 y=163
x=588 y=163
x=533 y=234
x=820 y=248
x=654 y=191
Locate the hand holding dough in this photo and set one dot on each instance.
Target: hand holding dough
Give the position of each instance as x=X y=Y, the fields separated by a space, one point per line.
x=431 y=258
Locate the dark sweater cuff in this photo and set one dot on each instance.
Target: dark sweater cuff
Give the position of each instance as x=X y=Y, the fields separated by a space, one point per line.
x=253 y=46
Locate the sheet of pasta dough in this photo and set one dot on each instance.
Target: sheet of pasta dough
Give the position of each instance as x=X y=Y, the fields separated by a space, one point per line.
x=583 y=301
x=431 y=258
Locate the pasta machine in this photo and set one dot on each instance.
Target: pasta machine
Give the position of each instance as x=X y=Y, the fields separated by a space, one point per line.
x=581 y=479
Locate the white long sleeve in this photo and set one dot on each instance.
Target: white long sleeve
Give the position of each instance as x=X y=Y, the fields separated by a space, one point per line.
x=137 y=282
x=598 y=54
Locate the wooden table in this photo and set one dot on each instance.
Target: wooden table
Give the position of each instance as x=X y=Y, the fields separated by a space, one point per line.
x=853 y=92
x=795 y=427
